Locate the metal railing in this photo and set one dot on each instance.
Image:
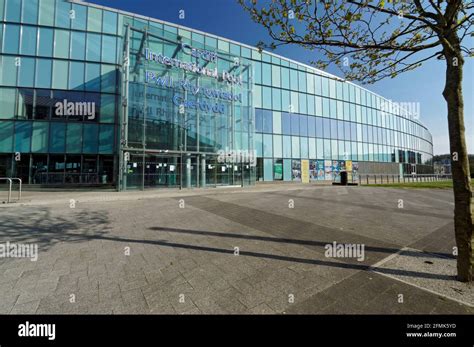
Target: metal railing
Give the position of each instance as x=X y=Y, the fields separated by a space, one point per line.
x=10 y=183
x=391 y=178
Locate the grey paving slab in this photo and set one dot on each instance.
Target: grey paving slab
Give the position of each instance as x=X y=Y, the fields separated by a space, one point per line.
x=137 y=252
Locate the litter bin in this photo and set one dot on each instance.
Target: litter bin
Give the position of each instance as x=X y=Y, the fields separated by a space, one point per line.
x=343 y=178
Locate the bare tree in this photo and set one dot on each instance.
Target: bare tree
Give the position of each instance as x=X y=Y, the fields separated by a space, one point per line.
x=373 y=39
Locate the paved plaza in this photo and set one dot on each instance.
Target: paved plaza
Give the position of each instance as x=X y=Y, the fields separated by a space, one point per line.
x=256 y=250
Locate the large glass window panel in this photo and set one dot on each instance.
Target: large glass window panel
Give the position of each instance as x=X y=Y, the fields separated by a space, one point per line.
x=257 y=72
x=318 y=85
x=94 y=19
x=295 y=124
x=25 y=104
x=275 y=76
x=347 y=130
x=319 y=106
x=276 y=122
x=27 y=72
x=110 y=22
x=12 y=10
x=339 y=93
x=235 y=49
x=319 y=148
x=277 y=146
x=22 y=137
x=332 y=88
x=57 y=137
x=352 y=113
x=302 y=106
x=310 y=83
x=39 y=142
x=106 y=139
x=343 y=155
x=211 y=42
x=286 y=146
x=302 y=81
x=304 y=147
x=108 y=79
x=76 y=75
x=11 y=38
x=93 y=47
x=303 y=120
x=43 y=104
x=61 y=43
x=333 y=129
x=311 y=110
x=46 y=12
x=332 y=109
x=259 y=145
x=6 y=137
x=311 y=126
x=293 y=79
x=346 y=113
x=294 y=102
x=109 y=48
x=74 y=138
x=285 y=100
x=267 y=145
x=285 y=78
x=353 y=131
x=28 y=40
x=257 y=96
x=90 y=138
x=268 y=169
x=358 y=114
x=60 y=74
x=78 y=45
x=287 y=169
x=319 y=127
x=334 y=149
x=63 y=17
x=79 y=20
x=45 y=42
x=312 y=148
x=295 y=147
x=276 y=99
x=326 y=112
x=92 y=82
x=286 y=123
x=107 y=108
x=325 y=86
x=258 y=120
x=327 y=128
x=267 y=121
x=266 y=74
x=340 y=110
x=43 y=73
x=267 y=97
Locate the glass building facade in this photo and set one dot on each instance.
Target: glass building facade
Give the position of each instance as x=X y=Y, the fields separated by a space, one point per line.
x=96 y=96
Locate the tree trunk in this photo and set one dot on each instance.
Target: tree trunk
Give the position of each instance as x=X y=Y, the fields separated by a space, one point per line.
x=459 y=161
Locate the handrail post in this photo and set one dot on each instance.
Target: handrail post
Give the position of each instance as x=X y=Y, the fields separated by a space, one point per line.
x=9 y=190
x=19 y=190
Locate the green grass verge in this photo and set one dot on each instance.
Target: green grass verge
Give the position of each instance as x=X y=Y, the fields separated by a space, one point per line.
x=416 y=185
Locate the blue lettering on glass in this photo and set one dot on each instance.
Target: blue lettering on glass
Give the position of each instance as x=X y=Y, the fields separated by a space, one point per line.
x=202 y=105
x=166 y=81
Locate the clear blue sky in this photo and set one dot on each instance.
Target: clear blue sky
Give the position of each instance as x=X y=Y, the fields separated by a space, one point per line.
x=227 y=19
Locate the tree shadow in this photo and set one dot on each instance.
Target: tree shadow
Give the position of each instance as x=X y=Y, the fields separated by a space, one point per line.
x=292 y=241
x=37 y=225
x=277 y=257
